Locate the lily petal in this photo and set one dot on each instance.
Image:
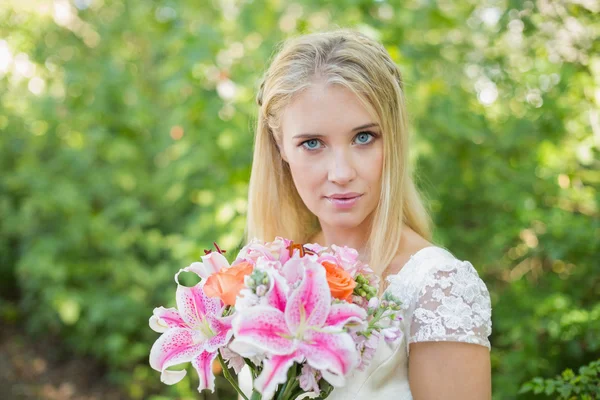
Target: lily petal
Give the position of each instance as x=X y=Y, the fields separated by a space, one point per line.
x=292 y=270
x=194 y=267
x=330 y=351
x=218 y=324
x=274 y=372
x=344 y=313
x=278 y=294
x=245 y=349
x=222 y=328
x=172 y=377
x=165 y=318
x=175 y=346
x=309 y=303
x=211 y=263
x=264 y=328
x=197 y=268
x=203 y=365
x=334 y=379
x=194 y=305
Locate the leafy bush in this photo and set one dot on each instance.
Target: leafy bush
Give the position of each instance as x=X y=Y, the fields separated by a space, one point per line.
x=584 y=386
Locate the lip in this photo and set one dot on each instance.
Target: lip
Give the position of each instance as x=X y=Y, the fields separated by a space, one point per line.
x=348 y=195
x=344 y=204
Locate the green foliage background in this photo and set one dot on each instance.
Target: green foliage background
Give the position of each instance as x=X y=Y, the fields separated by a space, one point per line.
x=126 y=142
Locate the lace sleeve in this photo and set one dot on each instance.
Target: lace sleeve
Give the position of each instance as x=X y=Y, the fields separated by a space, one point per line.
x=453 y=305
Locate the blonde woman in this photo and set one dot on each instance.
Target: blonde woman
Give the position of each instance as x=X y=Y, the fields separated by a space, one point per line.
x=331 y=165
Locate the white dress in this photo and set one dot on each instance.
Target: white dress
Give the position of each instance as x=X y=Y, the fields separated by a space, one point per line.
x=444 y=299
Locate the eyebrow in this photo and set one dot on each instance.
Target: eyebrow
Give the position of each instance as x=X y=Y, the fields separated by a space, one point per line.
x=316 y=135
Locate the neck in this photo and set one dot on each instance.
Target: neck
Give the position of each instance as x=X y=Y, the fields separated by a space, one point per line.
x=356 y=237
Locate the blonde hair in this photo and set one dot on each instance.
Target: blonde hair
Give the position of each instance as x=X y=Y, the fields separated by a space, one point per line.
x=348 y=58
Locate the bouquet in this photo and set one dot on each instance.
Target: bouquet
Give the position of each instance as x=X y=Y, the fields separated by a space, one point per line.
x=302 y=317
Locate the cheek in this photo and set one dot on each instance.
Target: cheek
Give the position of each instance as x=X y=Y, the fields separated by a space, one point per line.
x=374 y=159
x=308 y=174
x=378 y=172
x=307 y=177
x=304 y=166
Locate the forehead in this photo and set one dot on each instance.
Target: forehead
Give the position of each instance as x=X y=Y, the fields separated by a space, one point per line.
x=324 y=109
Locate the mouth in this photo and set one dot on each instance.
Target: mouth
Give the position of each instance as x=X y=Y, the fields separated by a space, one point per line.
x=344 y=198
x=344 y=202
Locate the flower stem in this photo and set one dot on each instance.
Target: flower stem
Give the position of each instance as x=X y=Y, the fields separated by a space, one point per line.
x=228 y=376
x=287 y=390
x=287 y=395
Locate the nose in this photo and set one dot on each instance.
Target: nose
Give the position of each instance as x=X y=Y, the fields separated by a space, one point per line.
x=342 y=170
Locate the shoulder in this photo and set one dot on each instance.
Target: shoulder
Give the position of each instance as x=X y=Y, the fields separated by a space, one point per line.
x=451 y=303
x=442 y=269
x=411 y=244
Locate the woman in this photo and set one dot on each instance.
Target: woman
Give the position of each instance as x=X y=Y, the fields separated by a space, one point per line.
x=331 y=165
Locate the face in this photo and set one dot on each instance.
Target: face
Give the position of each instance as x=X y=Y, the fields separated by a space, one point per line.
x=334 y=149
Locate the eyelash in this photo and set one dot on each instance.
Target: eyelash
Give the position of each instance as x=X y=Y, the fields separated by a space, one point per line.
x=373 y=135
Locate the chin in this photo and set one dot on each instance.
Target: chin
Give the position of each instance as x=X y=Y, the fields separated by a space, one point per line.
x=345 y=221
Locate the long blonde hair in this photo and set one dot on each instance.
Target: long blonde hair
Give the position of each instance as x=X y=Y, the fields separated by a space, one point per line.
x=348 y=58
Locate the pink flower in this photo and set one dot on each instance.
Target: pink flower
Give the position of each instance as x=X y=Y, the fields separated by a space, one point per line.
x=308 y=328
x=256 y=292
x=233 y=359
x=211 y=263
x=193 y=332
x=316 y=247
x=346 y=256
x=309 y=378
x=272 y=251
x=367 y=348
x=390 y=328
x=279 y=249
x=392 y=333
x=165 y=318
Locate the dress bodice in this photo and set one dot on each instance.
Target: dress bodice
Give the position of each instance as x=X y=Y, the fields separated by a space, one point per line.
x=443 y=299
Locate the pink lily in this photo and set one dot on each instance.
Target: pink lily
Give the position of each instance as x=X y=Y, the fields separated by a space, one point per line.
x=211 y=263
x=194 y=332
x=164 y=318
x=309 y=328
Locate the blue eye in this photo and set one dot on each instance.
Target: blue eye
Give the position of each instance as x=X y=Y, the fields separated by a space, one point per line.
x=311 y=144
x=363 y=137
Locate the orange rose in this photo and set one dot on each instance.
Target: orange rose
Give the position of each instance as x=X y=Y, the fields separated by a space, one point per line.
x=340 y=282
x=227 y=283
